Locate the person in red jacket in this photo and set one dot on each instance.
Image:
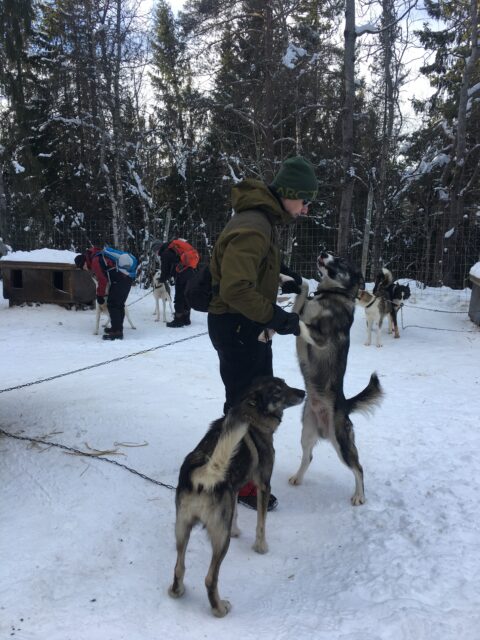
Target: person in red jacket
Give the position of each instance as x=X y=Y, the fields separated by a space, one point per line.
x=178 y=262
x=111 y=284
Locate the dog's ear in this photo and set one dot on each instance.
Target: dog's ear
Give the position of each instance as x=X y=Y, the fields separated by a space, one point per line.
x=259 y=398
x=260 y=394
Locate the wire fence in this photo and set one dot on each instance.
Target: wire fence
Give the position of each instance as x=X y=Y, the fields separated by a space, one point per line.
x=300 y=244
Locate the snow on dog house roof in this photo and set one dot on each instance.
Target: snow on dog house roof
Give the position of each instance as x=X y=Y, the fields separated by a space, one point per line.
x=45 y=275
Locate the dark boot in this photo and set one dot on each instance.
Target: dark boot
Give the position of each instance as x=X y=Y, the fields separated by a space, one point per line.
x=177 y=321
x=113 y=335
x=186 y=318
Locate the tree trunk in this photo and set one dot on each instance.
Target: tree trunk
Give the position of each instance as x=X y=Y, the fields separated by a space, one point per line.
x=268 y=94
x=453 y=230
x=347 y=130
x=119 y=217
x=387 y=39
x=366 y=231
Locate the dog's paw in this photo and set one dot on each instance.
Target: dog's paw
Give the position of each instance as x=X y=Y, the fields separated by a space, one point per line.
x=260 y=546
x=176 y=592
x=379 y=345
x=222 y=610
x=294 y=481
x=367 y=344
x=357 y=500
x=235 y=532
x=157 y=319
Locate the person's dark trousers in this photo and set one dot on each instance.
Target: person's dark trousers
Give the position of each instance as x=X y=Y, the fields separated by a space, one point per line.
x=120 y=286
x=180 y=304
x=242 y=356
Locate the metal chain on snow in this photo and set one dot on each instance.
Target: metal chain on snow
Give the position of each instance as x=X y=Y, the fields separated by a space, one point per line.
x=86 y=454
x=141 y=298
x=418 y=326
x=414 y=306
x=101 y=364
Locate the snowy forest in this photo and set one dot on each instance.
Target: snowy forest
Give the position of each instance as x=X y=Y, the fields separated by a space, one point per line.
x=121 y=121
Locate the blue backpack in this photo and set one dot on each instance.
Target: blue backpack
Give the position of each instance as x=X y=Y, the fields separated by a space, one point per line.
x=124 y=262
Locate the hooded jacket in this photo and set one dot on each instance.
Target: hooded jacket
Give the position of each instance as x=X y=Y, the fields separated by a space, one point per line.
x=245 y=263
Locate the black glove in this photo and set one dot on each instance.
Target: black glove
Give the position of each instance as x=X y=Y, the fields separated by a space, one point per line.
x=290 y=286
x=100 y=299
x=284 y=322
x=289 y=272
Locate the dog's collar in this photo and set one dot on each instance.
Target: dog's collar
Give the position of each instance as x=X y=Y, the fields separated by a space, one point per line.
x=370 y=303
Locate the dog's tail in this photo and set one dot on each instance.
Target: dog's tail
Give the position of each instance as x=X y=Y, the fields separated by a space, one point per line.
x=366 y=400
x=214 y=471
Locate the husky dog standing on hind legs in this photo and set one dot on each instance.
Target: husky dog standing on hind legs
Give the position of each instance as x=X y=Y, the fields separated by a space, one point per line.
x=322 y=350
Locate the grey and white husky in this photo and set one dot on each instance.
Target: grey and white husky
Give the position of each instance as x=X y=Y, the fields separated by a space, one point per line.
x=322 y=350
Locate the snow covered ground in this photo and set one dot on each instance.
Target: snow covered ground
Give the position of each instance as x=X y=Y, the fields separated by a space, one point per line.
x=87 y=548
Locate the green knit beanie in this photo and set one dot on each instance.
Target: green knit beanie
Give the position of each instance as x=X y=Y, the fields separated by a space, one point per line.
x=296 y=180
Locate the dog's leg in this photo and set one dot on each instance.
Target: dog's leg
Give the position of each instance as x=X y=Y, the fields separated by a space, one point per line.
x=260 y=545
x=343 y=440
x=183 y=527
x=393 y=315
x=157 y=310
x=219 y=532
x=127 y=315
x=235 y=531
x=309 y=440
x=164 y=308
x=368 y=341
x=98 y=313
x=379 y=331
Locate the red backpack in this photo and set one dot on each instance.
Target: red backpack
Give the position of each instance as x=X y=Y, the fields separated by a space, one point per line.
x=189 y=256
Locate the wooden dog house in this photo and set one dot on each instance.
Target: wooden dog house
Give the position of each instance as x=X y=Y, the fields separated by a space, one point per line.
x=49 y=282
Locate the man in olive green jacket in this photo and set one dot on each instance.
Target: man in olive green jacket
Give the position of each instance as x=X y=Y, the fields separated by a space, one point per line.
x=245 y=268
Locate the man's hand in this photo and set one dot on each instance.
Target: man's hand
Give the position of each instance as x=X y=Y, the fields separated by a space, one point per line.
x=290 y=286
x=284 y=323
x=286 y=271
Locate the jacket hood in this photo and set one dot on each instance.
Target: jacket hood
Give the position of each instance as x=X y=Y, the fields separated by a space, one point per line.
x=254 y=194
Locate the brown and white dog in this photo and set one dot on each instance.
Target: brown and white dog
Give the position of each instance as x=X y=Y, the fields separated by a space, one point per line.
x=161 y=291
x=237 y=448
x=376 y=309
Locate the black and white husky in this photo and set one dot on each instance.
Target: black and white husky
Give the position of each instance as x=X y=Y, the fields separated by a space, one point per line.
x=161 y=291
x=322 y=350
x=394 y=295
x=238 y=448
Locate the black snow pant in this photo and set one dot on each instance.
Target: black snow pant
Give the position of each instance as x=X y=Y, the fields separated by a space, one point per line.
x=242 y=355
x=120 y=286
x=180 y=304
